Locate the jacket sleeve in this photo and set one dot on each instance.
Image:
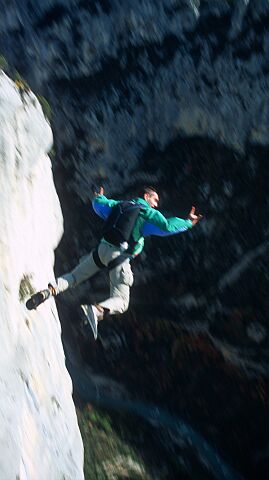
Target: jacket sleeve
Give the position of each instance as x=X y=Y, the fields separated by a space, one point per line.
x=138 y=247
x=103 y=206
x=157 y=224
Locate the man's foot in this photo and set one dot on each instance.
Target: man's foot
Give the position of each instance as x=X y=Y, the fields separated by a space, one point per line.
x=91 y=318
x=94 y=313
x=37 y=299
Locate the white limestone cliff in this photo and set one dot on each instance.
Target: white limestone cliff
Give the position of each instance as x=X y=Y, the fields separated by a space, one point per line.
x=39 y=434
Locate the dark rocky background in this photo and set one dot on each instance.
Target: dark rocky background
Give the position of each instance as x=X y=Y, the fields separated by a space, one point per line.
x=172 y=93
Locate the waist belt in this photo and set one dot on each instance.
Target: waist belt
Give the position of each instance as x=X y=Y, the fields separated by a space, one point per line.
x=113 y=264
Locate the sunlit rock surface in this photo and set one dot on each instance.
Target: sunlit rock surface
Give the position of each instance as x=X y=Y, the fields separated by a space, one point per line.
x=40 y=438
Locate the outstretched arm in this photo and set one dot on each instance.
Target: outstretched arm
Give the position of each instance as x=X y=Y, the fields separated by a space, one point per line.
x=157 y=224
x=102 y=205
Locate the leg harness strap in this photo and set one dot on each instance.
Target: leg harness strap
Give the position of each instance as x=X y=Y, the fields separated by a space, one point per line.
x=96 y=258
x=114 y=263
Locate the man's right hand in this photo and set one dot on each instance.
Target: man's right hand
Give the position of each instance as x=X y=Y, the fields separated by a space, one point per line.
x=193 y=217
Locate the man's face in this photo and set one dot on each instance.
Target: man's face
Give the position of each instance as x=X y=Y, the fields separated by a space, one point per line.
x=152 y=199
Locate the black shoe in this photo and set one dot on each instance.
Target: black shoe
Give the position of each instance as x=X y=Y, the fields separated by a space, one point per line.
x=37 y=299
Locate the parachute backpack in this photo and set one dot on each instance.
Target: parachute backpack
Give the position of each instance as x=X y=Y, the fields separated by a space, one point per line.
x=120 y=223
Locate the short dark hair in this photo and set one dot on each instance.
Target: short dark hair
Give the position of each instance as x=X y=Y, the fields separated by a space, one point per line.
x=148 y=189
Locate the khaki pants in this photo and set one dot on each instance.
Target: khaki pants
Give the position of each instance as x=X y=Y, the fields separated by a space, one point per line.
x=121 y=278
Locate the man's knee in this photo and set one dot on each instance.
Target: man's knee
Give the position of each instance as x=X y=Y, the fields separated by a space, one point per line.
x=125 y=305
x=122 y=303
x=123 y=294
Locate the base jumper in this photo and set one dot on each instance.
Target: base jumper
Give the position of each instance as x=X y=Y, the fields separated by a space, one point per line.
x=126 y=226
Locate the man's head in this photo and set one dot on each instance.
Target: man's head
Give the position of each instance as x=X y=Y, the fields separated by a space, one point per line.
x=151 y=196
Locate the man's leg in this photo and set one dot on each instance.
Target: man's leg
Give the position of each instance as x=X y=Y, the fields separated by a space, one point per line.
x=84 y=270
x=121 y=279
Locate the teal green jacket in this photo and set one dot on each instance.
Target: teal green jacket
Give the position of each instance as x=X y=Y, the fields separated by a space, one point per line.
x=149 y=222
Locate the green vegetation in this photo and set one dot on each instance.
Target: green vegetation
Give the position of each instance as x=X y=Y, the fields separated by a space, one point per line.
x=19 y=80
x=23 y=85
x=45 y=107
x=108 y=455
x=3 y=63
x=26 y=287
x=121 y=446
x=52 y=153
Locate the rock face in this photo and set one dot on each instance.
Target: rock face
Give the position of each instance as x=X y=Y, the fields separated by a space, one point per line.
x=122 y=77
x=40 y=438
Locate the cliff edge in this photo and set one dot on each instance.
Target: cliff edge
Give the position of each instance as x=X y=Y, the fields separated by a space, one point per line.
x=40 y=438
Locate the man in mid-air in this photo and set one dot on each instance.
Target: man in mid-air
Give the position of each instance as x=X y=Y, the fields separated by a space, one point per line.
x=126 y=226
